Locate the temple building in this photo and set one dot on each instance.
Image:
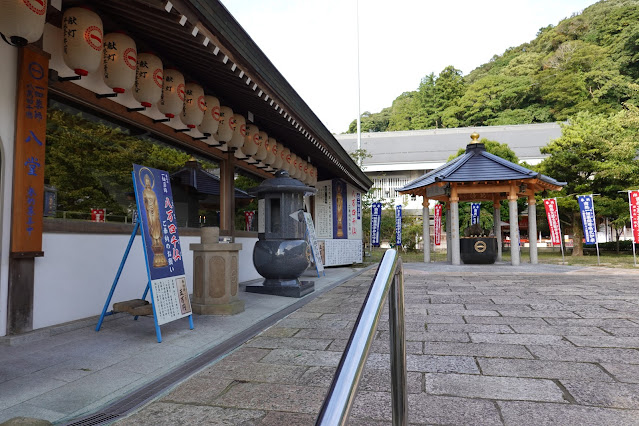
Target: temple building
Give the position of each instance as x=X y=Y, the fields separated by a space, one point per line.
x=87 y=89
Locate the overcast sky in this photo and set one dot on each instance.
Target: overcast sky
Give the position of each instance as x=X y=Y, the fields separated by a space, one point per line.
x=313 y=43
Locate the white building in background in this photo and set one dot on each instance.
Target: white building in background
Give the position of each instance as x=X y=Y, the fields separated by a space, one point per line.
x=399 y=157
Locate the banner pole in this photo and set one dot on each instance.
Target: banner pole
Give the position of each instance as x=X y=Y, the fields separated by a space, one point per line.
x=632 y=227
x=561 y=235
x=592 y=197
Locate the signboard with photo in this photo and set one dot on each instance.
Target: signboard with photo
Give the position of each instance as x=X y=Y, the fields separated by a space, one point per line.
x=162 y=248
x=340 y=221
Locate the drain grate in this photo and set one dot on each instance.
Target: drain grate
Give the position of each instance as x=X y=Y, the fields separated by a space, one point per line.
x=95 y=419
x=149 y=391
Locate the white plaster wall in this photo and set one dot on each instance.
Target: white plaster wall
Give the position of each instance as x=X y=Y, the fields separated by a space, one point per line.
x=8 y=85
x=73 y=279
x=247 y=271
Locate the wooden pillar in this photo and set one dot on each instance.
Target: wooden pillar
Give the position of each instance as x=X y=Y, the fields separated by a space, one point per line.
x=497 y=225
x=426 y=229
x=449 y=250
x=227 y=194
x=532 y=229
x=28 y=186
x=514 y=226
x=454 y=226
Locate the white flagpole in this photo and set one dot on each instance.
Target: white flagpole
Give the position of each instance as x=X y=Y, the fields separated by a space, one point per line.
x=561 y=236
x=594 y=216
x=360 y=159
x=632 y=227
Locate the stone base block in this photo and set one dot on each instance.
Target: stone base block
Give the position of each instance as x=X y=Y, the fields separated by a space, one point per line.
x=134 y=307
x=235 y=307
x=290 y=288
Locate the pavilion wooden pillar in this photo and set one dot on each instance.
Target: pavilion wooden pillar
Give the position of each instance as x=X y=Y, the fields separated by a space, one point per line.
x=497 y=224
x=227 y=193
x=514 y=225
x=449 y=250
x=426 y=228
x=454 y=226
x=532 y=229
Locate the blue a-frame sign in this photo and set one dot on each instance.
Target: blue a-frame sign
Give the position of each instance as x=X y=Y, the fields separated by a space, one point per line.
x=162 y=250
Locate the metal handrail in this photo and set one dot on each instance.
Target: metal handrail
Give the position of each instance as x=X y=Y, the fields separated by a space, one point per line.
x=340 y=397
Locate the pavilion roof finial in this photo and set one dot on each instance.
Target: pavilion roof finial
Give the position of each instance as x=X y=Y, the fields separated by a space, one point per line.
x=475 y=137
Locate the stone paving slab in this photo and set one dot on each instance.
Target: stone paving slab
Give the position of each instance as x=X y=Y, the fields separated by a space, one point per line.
x=543 y=369
x=546 y=414
x=496 y=388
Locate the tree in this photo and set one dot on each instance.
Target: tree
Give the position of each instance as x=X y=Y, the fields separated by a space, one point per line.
x=90 y=163
x=596 y=153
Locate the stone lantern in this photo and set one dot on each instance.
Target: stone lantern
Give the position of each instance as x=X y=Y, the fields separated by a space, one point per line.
x=281 y=255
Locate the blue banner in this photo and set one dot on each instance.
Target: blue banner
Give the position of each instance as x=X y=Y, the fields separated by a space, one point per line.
x=159 y=227
x=587 y=209
x=398 y=225
x=474 y=213
x=376 y=221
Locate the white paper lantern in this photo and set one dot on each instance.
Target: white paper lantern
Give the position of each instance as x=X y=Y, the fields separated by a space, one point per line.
x=292 y=170
x=226 y=125
x=284 y=154
x=194 y=105
x=172 y=99
x=119 y=59
x=239 y=133
x=148 y=80
x=251 y=141
x=271 y=144
x=311 y=175
x=300 y=167
x=82 y=40
x=260 y=155
x=277 y=149
x=211 y=120
x=22 y=21
x=307 y=169
x=300 y=170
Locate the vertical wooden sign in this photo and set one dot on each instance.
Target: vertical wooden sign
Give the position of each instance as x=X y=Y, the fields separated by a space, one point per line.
x=28 y=166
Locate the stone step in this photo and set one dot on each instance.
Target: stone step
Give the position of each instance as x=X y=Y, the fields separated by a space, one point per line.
x=134 y=307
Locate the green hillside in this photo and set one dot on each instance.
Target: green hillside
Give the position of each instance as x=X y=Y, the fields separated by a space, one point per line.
x=589 y=62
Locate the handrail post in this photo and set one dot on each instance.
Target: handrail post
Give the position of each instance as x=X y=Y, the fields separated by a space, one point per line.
x=389 y=278
x=398 y=347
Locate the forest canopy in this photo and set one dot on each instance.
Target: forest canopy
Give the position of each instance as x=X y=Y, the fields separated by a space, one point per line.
x=588 y=62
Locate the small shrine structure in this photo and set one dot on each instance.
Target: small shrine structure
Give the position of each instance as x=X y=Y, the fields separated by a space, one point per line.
x=480 y=176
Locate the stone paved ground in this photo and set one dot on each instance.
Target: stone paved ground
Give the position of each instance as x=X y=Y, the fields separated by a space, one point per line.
x=484 y=347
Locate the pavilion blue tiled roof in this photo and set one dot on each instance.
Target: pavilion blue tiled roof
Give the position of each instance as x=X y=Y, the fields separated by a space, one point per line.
x=476 y=164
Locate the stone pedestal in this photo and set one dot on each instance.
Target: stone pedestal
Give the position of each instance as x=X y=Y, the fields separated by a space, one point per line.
x=215 y=273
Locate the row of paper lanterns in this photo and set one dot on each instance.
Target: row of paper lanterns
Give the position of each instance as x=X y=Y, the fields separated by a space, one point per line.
x=86 y=49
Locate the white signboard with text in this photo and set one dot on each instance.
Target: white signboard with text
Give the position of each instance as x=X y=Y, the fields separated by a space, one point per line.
x=341 y=252
x=324 y=209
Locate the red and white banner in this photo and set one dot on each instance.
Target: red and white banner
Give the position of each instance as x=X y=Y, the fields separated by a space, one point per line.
x=248 y=219
x=98 y=215
x=553 y=220
x=633 y=199
x=438 y=224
